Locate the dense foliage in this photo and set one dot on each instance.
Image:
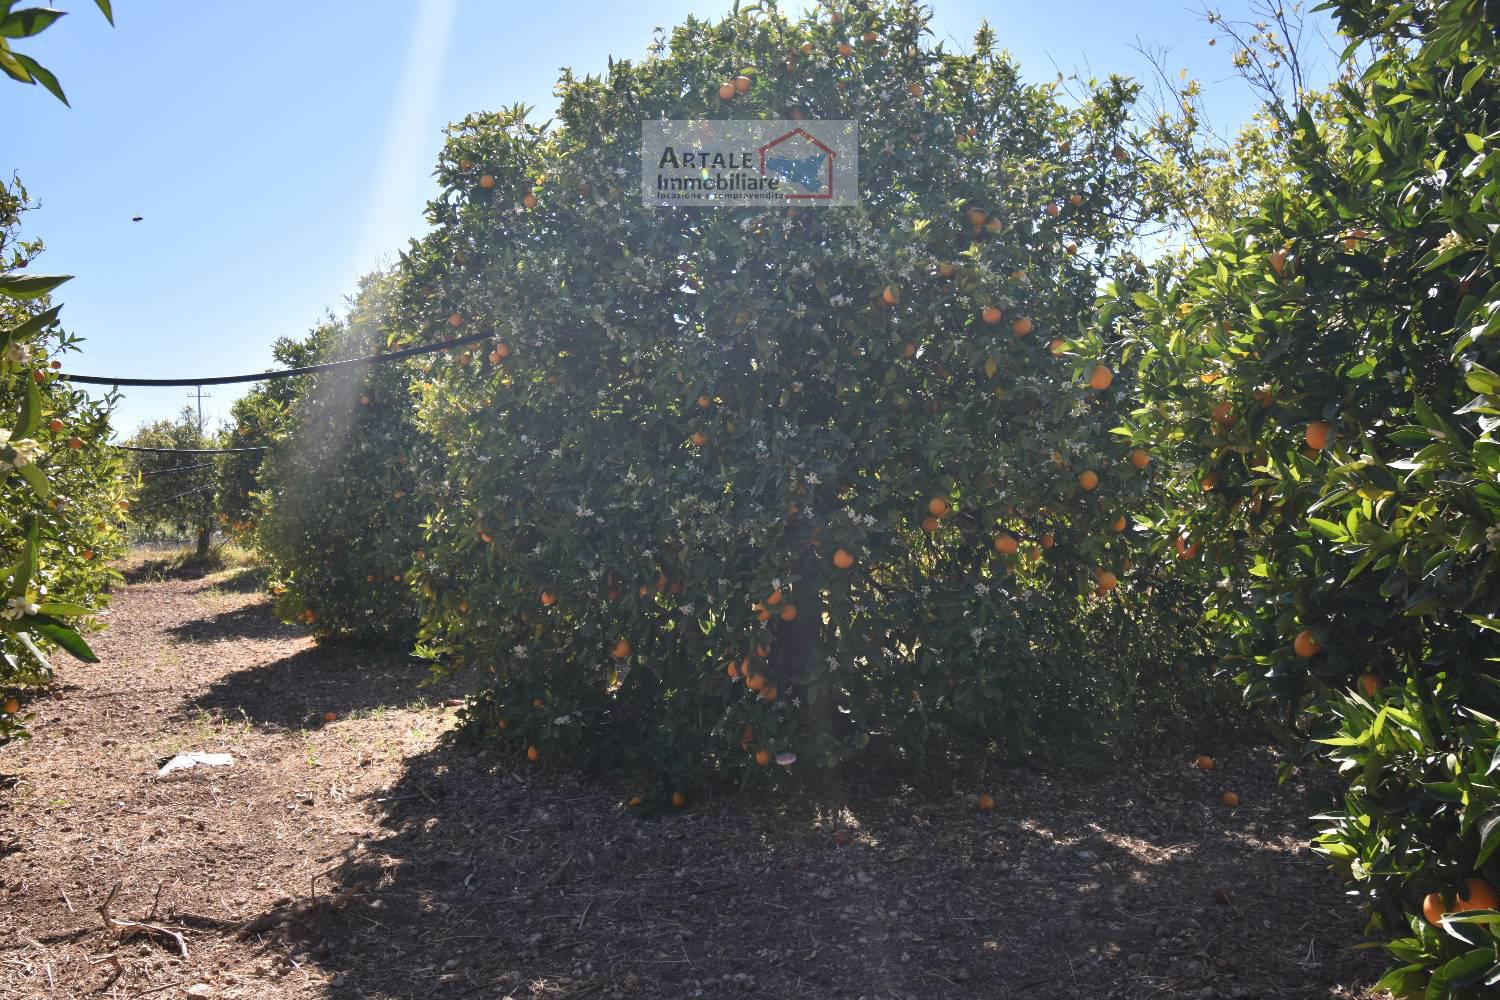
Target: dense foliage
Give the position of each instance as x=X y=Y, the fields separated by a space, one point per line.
x=340 y=510
x=1325 y=378
x=736 y=485
x=62 y=491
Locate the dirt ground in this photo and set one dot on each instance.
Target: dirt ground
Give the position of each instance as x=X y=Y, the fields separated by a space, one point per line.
x=366 y=858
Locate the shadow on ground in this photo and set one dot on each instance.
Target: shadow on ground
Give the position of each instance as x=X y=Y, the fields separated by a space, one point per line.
x=295 y=691
x=499 y=879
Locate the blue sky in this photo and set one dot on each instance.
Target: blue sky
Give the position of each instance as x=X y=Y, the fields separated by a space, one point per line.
x=277 y=151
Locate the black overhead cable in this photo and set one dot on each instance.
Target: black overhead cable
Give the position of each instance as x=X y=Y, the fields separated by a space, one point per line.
x=188 y=451
x=158 y=503
x=284 y=372
x=180 y=468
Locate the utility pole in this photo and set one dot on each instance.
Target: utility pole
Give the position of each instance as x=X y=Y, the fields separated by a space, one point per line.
x=206 y=529
x=198 y=393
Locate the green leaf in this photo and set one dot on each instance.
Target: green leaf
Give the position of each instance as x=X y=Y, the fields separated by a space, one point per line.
x=11 y=66
x=32 y=326
x=44 y=76
x=29 y=286
x=1476 y=143
x=33 y=21
x=31 y=412
x=36 y=479
x=106 y=10
x=21 y=573
x=65 y=636
x=31 y=648
x=1481 y=379
x=64 y=608
x=1489 y=837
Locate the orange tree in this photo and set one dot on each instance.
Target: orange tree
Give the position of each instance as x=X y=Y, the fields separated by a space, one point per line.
x=733 y=485
x=257 y=420
x=61 y=488
x=1324 y=382
x=339 y=510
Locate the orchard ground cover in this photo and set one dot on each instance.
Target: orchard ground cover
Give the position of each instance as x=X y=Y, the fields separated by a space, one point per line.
x=367 y=857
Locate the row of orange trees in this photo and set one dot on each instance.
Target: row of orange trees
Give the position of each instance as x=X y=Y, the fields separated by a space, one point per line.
x=746 y=494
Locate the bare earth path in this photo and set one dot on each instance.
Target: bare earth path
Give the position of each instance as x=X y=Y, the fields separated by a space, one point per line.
x=362 y=858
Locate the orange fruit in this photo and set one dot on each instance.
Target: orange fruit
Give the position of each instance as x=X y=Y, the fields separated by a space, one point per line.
x=807 y=48
x=1107 y=580
x=621 y=650
x=1185 y=550
x=1204 y=762
x=1058 y=346
x=1230 y=799
x=329 y=716
x=1263 y=396
x=774 y=599
x=741 y=83
x=755 y=682
x=938 y=507
x=75 y=443
x=1223 y=412
x=678 y=800
x=12 y=706
x=1100 y=378
x=985 y=803
x=1140 y=458
x=768 y=693
x=1432 y=908
x=1306 y=645
x=1052 y=209
x=789 y=613
x=1278 y=261
x=915 y=89
x=842 y=559
x=54 y=426
x=1210 y=481
x=455 y=320
x=529 y=201
x=548 y=600
x=1088 y=479
x=930 y=524
x=869 y=37
x=732 y=670
x=1022 y=326
x=486 y=181
x=1370 y=684
x=1006 y=544
x=502 y=352
x=990 y=315
x=532 y=753
x=727 y=92
x=890 y=296
x=1477 y=894
x=703 y=402
x=700 y=439
x=1047 y=540
x=1118 y=524
x=762 y=757
x=846 y=50
x=976 y=216
x=1316 y=435
x=1075 y=199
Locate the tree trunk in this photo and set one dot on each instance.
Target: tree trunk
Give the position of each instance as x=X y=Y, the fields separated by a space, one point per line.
x=205 y=534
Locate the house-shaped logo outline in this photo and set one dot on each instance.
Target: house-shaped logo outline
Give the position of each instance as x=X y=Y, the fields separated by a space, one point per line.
x=828 y=196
